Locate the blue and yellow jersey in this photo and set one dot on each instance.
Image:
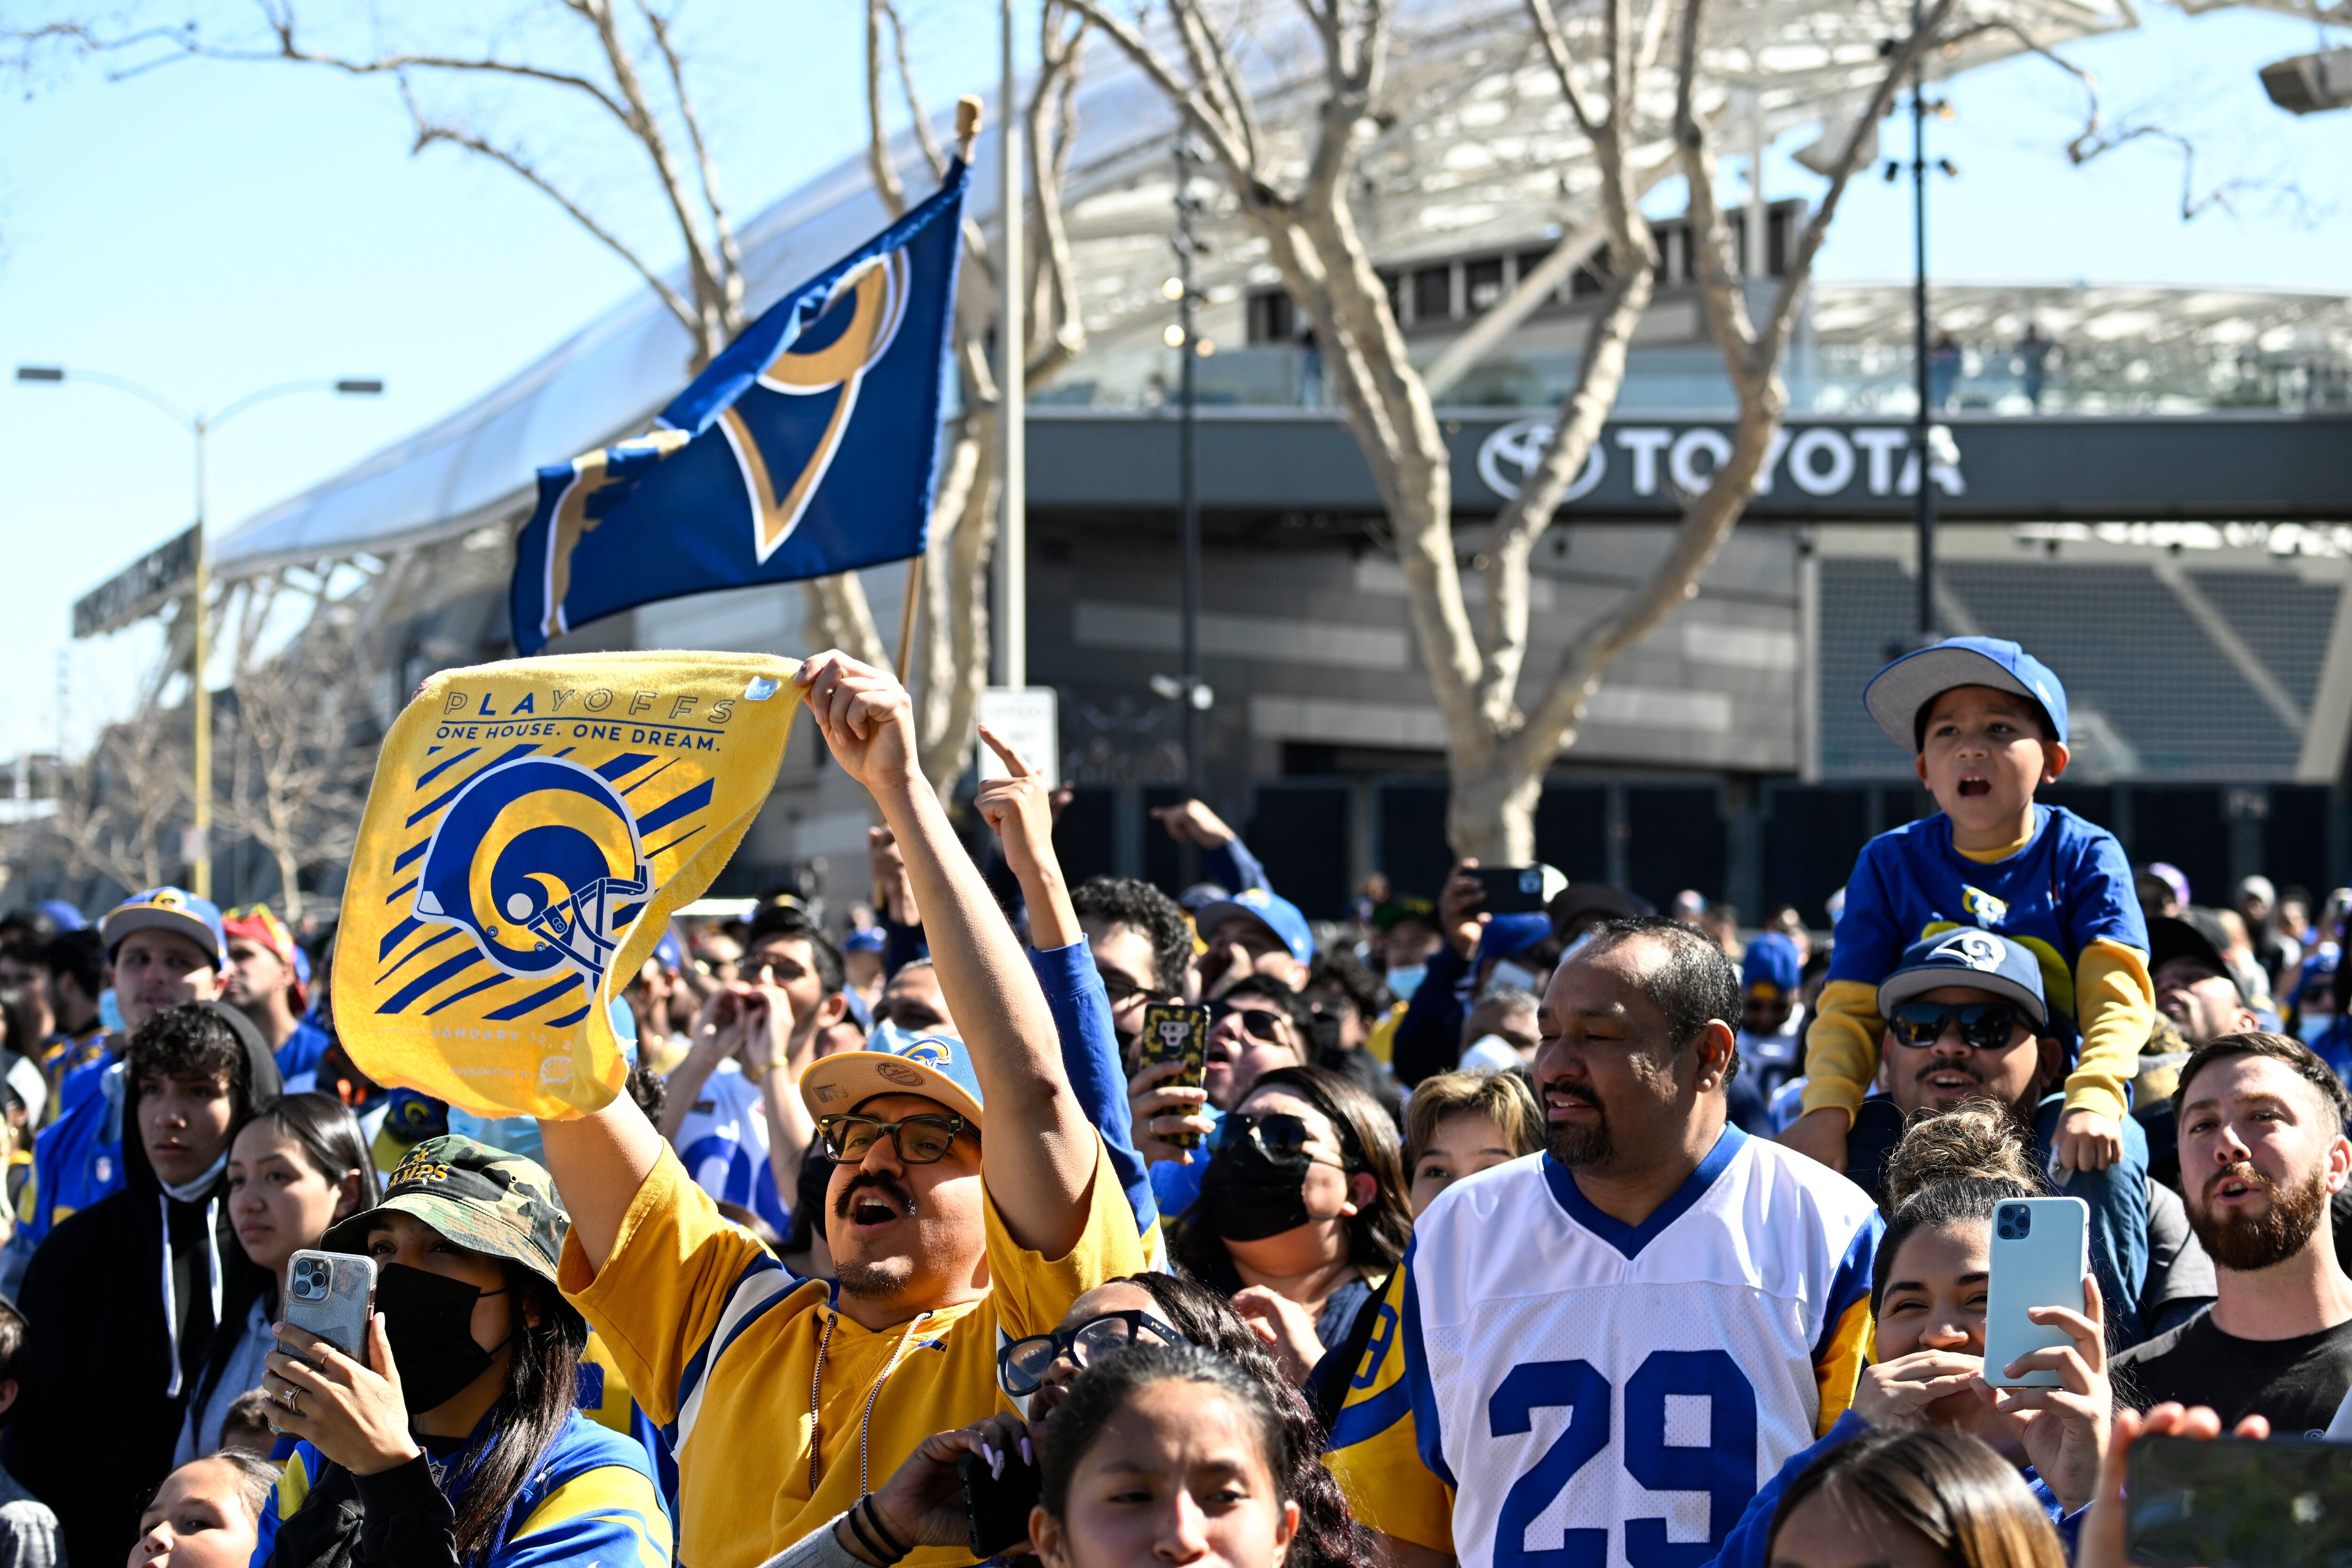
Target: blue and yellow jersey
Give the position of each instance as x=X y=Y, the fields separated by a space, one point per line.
x=2064 y=891
x=592 y=1500
x=1631 y=1385
x=783 y=1410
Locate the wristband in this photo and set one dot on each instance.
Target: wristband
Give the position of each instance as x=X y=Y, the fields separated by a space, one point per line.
x=874 y=1518
x=866 y=1541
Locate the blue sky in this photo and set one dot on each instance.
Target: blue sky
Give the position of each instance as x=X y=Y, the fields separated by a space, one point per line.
x=210 y=228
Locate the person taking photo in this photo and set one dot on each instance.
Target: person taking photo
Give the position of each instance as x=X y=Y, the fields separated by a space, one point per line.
x=455 y=1440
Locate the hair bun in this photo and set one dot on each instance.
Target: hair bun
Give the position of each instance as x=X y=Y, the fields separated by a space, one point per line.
x=1973 y=1144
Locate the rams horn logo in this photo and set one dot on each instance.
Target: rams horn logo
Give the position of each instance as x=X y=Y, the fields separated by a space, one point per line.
x=851 y=332
x=1973 y=948
x=539 y=860
x=929 y=1053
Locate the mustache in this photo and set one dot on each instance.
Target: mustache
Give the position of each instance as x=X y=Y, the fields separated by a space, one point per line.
x=2243 y=1172
x=897 y=1197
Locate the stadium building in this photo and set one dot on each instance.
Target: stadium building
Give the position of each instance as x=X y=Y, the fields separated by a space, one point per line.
x=2150 y=491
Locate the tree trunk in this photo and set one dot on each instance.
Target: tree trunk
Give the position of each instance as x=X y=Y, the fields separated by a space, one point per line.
x=1490 y=811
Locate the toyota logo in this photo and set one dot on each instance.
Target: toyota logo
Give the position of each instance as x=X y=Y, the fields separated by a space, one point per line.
x=1507 y=456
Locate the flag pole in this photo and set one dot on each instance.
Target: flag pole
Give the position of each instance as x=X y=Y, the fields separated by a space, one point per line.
x=967 y=132
x=1011 y=349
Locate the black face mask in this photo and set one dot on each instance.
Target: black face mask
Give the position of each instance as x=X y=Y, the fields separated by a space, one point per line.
x=429 y=1319
x=1248 y=1194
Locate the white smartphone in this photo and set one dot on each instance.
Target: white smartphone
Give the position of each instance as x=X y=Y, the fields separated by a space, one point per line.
x=2040 y=1251
x=332 y=1294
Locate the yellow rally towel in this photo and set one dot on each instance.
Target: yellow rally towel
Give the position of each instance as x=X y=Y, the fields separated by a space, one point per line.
x=532 y=825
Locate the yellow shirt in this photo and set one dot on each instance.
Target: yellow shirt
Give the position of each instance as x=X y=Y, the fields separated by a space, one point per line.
x=722 y=1348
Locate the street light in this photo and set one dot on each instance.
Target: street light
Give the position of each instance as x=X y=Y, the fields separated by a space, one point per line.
x=200 y=426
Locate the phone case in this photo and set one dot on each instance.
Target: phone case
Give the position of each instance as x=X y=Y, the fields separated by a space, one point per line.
x=2040 y=1251
x=332 y=1294
x=1174 y=1033
x=996 y=1508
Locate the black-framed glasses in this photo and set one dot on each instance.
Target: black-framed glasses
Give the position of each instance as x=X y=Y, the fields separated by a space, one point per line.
x=1982 y=1025
x=1257 y=1023
x=1022 y=1365
x=920 y=1139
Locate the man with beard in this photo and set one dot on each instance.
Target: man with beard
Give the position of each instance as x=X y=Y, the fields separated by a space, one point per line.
x=970 y=1203
x=1620 y=1336
x=2262 y=1150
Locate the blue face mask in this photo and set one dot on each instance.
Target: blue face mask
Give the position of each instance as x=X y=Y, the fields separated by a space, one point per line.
x=110 y=1012
x=1404 y=982
x=511 y=1135
x=2311 y=1025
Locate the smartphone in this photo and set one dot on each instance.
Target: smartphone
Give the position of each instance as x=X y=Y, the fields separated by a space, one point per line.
x=332 y=1294
x=2040 y=1251
x=1175 y=1033
x=2234 y=1504
x=996 y=1508
x=1517 y=889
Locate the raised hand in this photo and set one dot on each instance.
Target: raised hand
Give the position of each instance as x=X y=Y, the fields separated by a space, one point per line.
x=1898 y=1394
x=1018 y=807
x=865 y=718
x=2064 y=1429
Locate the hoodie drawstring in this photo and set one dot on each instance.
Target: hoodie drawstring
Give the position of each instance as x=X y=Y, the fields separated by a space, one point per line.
x=171 y=1296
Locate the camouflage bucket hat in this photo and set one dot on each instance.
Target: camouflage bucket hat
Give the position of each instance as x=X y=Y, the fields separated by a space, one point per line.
x=476 y=1195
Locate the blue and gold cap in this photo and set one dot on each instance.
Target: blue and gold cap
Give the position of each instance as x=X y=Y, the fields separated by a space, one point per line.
x=937 y=1066
x=166 y=909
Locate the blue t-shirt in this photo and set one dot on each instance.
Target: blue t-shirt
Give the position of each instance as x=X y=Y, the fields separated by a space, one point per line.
x=2068 y=887
x=301 y=1053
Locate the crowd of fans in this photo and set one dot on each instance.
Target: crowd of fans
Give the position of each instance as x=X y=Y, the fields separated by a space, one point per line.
x=1587 y=1234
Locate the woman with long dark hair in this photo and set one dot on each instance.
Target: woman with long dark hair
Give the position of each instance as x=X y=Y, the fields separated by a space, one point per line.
x=294 y=1170
x=455 y=1440
x=1304 y=1209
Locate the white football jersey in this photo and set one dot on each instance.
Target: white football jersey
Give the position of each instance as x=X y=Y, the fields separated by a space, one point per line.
x=723 y=1144
x=1598 y=1394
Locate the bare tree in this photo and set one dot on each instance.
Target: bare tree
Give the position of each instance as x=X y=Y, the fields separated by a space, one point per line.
x=1500 y=741
x=619 y=59
x=952 y=665
x=299 y=736
x=117 y=807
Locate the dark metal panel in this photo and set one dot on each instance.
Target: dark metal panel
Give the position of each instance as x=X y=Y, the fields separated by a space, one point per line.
x=2056 y=468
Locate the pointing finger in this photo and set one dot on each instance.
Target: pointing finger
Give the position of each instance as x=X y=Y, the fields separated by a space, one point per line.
x=1014 y=762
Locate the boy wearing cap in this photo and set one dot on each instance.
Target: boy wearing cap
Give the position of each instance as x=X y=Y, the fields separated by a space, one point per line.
x=970 y=1202
x=1986 y=724
x=1255 y=932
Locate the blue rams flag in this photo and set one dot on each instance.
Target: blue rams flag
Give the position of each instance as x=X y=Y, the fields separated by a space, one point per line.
x=809 y=446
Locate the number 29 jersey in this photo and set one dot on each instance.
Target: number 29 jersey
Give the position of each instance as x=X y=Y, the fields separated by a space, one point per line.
x=1548 y=1387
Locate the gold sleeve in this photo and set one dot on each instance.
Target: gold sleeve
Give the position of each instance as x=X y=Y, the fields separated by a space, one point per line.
x=1841 y=1046
x=2116 y=1007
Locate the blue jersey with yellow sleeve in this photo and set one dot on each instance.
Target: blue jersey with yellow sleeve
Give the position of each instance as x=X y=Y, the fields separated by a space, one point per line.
x=2070 y=885
x=592 y=1500
x=1546 y=1379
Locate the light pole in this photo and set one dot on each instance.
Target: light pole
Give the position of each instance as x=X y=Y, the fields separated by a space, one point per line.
x=200 y=426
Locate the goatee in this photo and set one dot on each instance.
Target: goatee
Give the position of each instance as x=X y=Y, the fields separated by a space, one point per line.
x=1576 y=1145
x=2245 y=1243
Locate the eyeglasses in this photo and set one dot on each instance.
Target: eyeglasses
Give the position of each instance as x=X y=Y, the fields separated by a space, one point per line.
x=920 y=1139
x=1257 y=1023
x=1276 y=1131
x=1982 y=1025
x=1022 y=1365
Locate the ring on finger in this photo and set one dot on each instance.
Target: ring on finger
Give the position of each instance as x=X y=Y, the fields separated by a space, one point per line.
x=291 y=1399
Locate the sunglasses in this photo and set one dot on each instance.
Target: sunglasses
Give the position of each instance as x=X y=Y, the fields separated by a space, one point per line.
x=1257 y=1023
x=1276 y=1131
x=1120 y=989
x=1982 y=1025
x=920 y=1139
x=1022 y=1365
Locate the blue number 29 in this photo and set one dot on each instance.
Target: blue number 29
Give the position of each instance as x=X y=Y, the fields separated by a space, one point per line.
x=1724 y=1469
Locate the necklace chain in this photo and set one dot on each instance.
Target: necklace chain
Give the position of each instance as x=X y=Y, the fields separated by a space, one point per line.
x=866 y=1419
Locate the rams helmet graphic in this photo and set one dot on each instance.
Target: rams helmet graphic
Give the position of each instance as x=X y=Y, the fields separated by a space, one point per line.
x=1973 y=948
x=538 y=859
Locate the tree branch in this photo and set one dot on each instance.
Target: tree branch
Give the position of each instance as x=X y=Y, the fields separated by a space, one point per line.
x=428 y=133
x=730 y=254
